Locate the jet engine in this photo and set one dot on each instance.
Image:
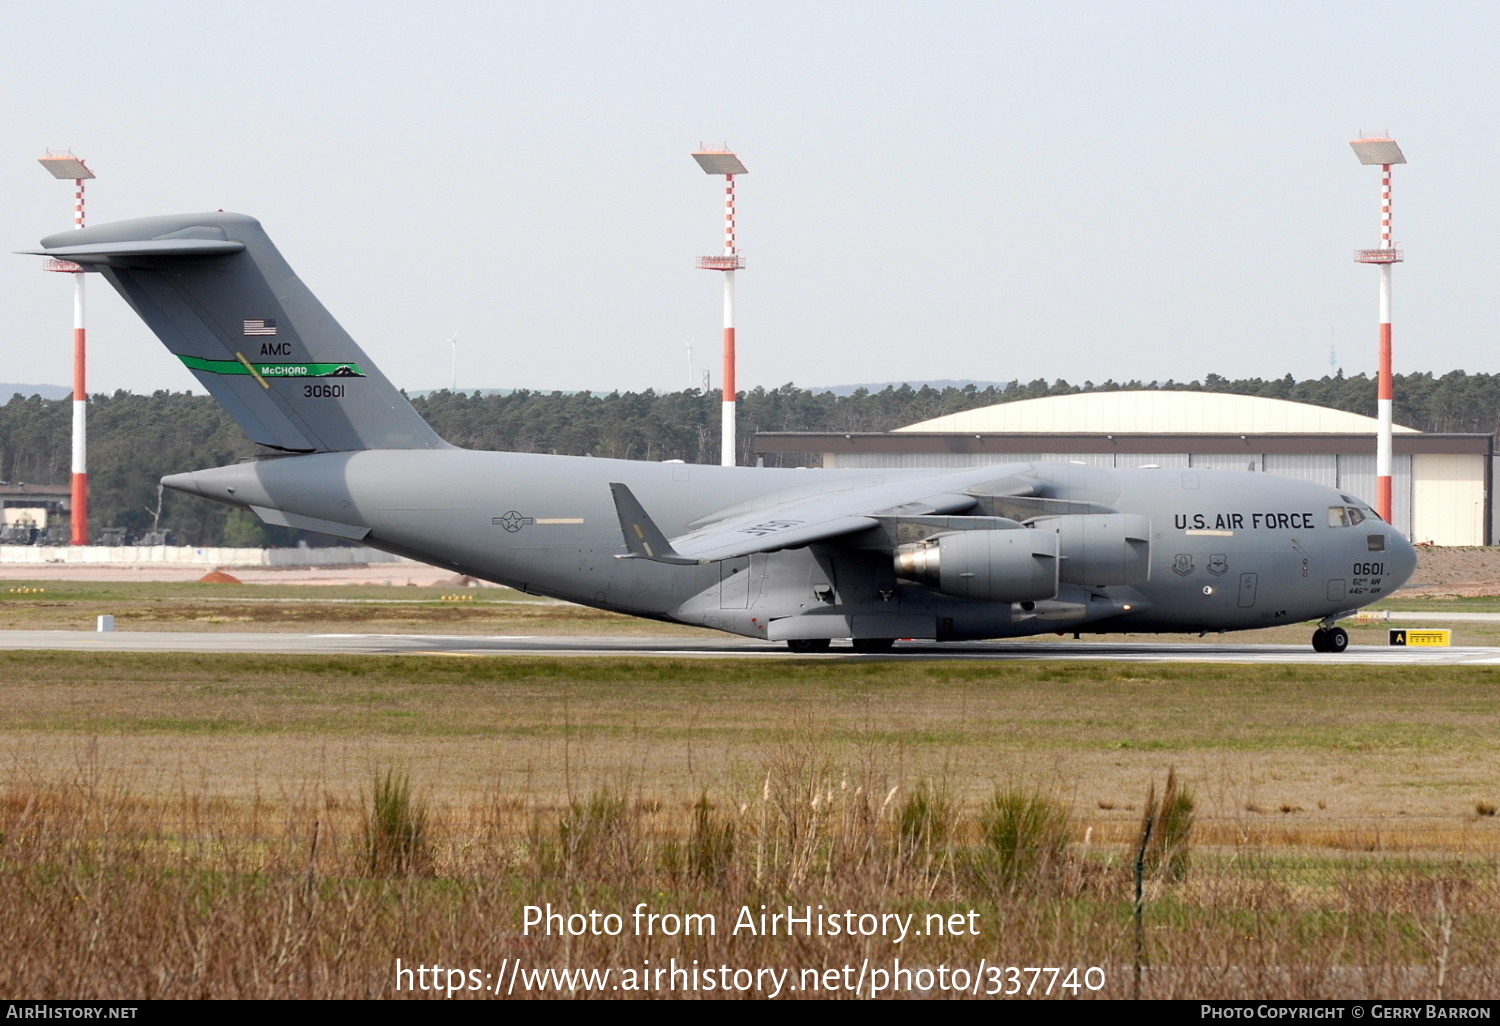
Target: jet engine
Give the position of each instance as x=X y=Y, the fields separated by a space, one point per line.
x=993 y=566
x=1100 y=549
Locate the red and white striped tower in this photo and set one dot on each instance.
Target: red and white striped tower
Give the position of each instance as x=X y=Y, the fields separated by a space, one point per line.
x=62 y=164
x=1384 y=152
x=723 y=162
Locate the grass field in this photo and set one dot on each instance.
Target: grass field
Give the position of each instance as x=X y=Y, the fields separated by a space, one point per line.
x=43 y=605
x=396 y=609
x=184 y=826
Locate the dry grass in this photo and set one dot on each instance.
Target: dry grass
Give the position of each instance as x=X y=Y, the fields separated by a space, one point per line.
x=108 y=894
x=75 y=605
x=1410 y=751
x=183 y=825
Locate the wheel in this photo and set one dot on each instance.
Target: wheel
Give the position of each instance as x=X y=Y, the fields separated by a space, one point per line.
x=808 y=644
x=1333 y=639
x=873 y=644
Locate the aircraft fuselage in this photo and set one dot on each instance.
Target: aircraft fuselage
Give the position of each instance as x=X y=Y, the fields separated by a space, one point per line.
x=1227 y=550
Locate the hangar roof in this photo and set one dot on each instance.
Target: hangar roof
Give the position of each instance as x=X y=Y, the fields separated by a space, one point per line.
x=1166 y=412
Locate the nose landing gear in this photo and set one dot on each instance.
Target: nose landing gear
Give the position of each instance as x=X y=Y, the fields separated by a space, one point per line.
x=1330 y=639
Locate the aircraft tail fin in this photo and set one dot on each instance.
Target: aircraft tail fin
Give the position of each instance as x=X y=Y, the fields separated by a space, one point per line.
x=221 y=297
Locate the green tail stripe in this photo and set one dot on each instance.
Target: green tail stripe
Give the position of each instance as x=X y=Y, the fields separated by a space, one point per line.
x=275 y=370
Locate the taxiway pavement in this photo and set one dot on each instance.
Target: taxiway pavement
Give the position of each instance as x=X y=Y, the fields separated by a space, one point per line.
x=718 y=647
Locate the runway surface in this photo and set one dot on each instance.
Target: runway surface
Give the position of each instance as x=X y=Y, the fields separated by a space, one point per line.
x=716 y=647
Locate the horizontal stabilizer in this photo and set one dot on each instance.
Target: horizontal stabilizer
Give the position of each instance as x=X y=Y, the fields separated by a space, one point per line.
x=119 y=253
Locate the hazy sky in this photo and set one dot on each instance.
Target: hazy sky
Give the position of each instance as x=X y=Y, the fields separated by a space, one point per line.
x=936 y=190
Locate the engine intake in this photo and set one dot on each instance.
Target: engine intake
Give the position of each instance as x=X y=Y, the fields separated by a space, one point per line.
x=993 y=566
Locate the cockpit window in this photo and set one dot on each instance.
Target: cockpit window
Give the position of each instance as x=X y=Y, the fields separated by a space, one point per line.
x=1355 y=516
x=1345 y=516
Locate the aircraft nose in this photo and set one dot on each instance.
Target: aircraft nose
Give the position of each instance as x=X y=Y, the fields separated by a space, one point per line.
x=1400 y=559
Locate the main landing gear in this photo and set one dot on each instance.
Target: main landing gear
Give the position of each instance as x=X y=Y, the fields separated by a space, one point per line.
x=1330 y=639
x=863 y=645
x=808 y=644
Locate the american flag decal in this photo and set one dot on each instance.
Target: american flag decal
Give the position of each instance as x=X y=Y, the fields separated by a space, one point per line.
x=260 y=326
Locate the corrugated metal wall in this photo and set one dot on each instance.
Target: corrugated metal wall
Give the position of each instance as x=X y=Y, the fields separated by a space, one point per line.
x=1448 y=499
x=1226 y=461
x=1357 y=477
x=1494 y=506
x=1322 y=468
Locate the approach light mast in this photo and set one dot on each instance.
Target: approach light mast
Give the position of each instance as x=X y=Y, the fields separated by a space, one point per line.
x=63 y=165
x=1384 y=152
x=723 y=162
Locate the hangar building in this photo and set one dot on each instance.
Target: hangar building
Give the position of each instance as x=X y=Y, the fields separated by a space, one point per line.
x=1442 y=487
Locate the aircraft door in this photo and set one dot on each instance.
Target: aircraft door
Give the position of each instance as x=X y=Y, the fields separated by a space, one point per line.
x=599 y=582
x=1247 y=590
x=734 y=580
x=741 y=582
x=756 y=574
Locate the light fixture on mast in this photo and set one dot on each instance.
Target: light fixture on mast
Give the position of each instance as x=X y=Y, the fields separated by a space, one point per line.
x=62 y=164
x=1384 y=152
x=723 y=162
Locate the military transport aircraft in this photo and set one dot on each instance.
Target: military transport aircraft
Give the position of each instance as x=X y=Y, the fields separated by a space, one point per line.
x=800 y=556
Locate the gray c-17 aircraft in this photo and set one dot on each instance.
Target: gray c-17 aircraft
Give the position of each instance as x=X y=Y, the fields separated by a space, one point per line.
x=800 y=556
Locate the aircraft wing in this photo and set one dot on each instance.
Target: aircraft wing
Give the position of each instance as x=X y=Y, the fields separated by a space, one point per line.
x=799 y=521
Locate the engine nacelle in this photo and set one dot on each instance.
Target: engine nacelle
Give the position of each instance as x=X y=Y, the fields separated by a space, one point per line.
x=993 y=566
x=1100 y=549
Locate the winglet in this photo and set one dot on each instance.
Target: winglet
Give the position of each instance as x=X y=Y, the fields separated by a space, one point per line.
x=642 y=537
